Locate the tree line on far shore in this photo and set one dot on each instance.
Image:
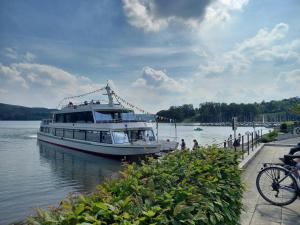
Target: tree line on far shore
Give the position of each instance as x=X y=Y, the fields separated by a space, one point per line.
x=209 y=112
x=16 y=112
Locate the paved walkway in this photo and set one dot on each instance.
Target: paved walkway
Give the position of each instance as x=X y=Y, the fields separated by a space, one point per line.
x=257 y=210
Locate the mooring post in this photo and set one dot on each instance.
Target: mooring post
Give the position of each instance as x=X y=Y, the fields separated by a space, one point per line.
x=156 y=130
x=175 y=130
x=252 y=140
x=248 y=149
x=243 y=147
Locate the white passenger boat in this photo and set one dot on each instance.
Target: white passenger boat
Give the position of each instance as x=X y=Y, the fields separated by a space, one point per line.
x=108 y=129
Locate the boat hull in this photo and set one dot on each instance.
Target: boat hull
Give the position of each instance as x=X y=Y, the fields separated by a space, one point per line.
x=99 y=148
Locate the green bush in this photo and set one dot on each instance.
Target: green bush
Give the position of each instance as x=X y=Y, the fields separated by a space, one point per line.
x=271 y=136
x=284 y=128
x=184 y=187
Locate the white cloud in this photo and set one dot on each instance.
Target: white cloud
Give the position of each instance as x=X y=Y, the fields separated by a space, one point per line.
x=41 y=85
x=264 y=38
x=265 y=46
x=12 y=75
x=139 y=16
x=150 y=51
x=290 y=79
x=29 y=57
x=159 y=80
x=154 y=15
x=13 y=54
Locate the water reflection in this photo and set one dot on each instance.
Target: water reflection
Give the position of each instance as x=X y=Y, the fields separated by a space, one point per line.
x=77 y=168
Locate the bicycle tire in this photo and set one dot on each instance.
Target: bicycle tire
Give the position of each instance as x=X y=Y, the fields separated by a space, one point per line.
x=270 y=173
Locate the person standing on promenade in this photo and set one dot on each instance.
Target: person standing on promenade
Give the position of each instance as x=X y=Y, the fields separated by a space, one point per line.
x=230 y=141
x=196 y=145
x=239 y=139
x=183 y=145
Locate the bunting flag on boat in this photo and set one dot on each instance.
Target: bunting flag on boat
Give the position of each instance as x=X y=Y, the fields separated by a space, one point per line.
x=120 y=99
x=79 y=96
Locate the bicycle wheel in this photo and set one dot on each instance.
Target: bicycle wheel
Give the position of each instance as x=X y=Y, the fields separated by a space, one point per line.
x=277 y=185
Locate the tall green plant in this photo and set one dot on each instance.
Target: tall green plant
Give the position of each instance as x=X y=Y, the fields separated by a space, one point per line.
x=185 y=187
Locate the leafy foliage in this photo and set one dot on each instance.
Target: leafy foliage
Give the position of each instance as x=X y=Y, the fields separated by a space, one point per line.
x=185 y=187
x=271 y=136
x=296 y=109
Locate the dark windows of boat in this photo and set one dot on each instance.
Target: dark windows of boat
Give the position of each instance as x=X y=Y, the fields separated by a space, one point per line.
x=45 y=129
x=84 y=117
x=76 y=117
x=120 y=137
x=59 y=132
x=86 y=135
x=93 y=136
x=106 y=137
x=79 y=134
x=59 y=118
x=69 y=133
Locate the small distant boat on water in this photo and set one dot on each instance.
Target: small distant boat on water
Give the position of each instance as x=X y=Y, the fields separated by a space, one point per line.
x=198 y=129
x=108 y=129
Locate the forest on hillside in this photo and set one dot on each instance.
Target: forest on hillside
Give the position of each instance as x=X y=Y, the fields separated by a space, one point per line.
x=15 y=112
x=222 y=112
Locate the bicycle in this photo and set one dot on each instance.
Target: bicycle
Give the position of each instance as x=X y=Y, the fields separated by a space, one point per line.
x=278 y=183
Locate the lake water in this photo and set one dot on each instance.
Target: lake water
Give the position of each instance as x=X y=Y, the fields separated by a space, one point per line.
x=36 y=174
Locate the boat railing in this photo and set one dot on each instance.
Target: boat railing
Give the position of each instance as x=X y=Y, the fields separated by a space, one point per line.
x=120 y=121
x=85 y=103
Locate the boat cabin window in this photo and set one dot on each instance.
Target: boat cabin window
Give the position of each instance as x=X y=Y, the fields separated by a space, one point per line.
x=93 y=136
x=106 y=137
x=103 y=116
x=127 y=116
x=120 y=137
x=86 y=135
x=114 y=116
x=146 y=135
x=59 y=132
x=76 y=117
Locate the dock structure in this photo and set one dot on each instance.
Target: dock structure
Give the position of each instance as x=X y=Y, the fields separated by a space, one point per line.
x=244 y=124
x=257 y=210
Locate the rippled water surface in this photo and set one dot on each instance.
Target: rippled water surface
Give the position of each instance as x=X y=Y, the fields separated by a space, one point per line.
x=38 y=175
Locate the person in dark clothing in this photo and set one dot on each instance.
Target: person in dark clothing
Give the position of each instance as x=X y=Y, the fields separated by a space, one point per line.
x=183 y=145
x=294 y=149
x=239 y=139
x=196 y=145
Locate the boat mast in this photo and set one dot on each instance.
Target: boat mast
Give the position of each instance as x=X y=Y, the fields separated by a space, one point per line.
x=109 y=95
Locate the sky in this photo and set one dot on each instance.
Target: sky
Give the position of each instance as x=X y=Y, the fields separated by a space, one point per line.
x=153 y=53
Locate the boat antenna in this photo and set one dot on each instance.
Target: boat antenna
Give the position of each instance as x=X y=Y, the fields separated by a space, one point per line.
x=109 y=95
